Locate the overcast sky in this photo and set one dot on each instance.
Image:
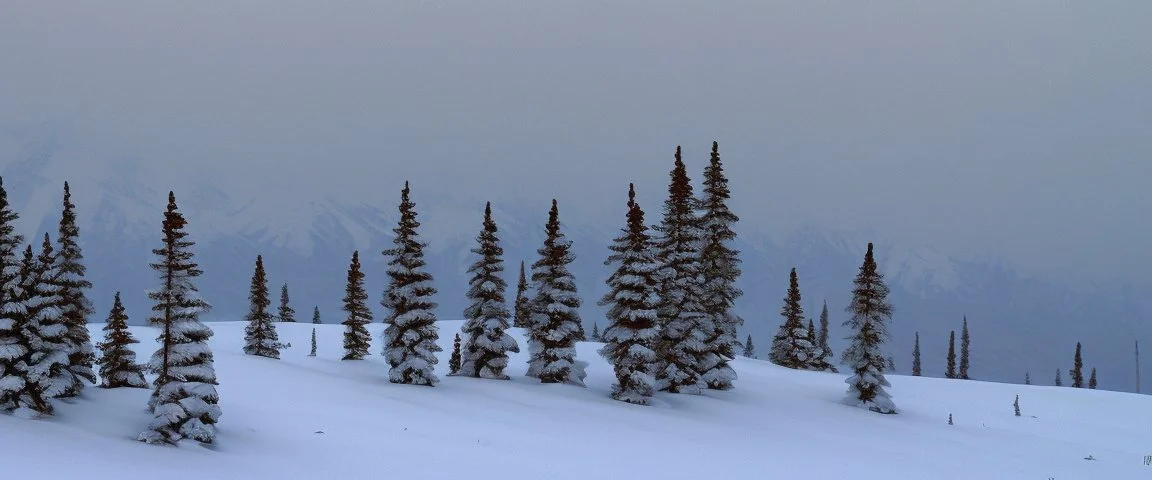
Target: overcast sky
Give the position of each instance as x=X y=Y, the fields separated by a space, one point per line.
x=1018 y=128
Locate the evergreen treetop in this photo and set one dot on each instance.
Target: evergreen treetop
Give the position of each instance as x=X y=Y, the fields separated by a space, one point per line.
x=523 y=302
x=357 y=340
x=964 y=344
x=719 y=267
x=285 y=313
x=75 y=306
x=11 y=308
x=486 y=347
x=791 y=347
x=260 y=337
x=555 y=324
x=916 y=357
x=951 y=370
x=1077 y=372
x=118 y=367
x=871 y=313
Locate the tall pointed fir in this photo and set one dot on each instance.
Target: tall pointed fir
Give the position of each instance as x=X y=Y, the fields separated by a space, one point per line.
x=1077 y=372
x=316 y=316
x=964 y=344
x=632 y=331
x=184 y=400
x=260 y=337
x=118 y=367
x=454 y=359
x=871 y=313
x=357 y=340
x=685 y=324
x=312 y=352
x=916 y=357
x=44 y=365
x=285 y=313
x=523 y=307
x=790 y=347
x=1059 y=378
x=1092 y=379
x=595 y=332
x=950 y=372
x=487 y=343
x=75 y=306
x=11 y=307
x=410 y=338
x=823 y=351
x=749 y=348
x=554 y=324
x=719 y=268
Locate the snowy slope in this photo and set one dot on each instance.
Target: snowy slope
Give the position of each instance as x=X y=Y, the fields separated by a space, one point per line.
x=319 y=418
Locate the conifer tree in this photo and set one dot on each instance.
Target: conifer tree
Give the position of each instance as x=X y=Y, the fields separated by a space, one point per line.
x=410 y=337
x=790 y=347
x=312 y=353
x=118 y=367
x=749 y=348
x=11 y=308
x=44 y=365
x=357 y=340
x=951 y=371
x=454 y=360
x=485 y=353
x=555 y=324
x=523 y=313
x=632 y=331
x=595 y=332
x=823 y=350
x=1016 y=405
x=285 y=313
x=184 y=400
x=870 y=314
x=1059 y=378
x=75 y=306
x=719 y=268
x=1092 y=379
x=686 y=326
x=1027 y=378
x=1077 y=372
x=316 y=316
x=916 y=357
x=260 y=337
x=964 y=343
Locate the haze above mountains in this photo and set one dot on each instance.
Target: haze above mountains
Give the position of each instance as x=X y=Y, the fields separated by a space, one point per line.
x=1011 y=137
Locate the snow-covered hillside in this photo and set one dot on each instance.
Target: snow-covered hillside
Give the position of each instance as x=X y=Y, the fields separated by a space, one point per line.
x=317 y=418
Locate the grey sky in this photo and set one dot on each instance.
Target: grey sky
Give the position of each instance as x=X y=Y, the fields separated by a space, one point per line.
x=1020 y=128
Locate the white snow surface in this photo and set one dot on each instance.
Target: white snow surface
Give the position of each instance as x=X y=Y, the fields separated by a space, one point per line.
x=319 y=417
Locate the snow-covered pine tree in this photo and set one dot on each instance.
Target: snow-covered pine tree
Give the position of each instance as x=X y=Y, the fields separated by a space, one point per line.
x=316 y=316
x=632 y=331
x=1059 y=378
x=870 y=314
x=75 y=306
x=44 y=366
x=260 y=337
x=554 y=324
x=1016 y=405
x=1092 y=379
x=184 y=400
x=523 y=308
x=823 y=350
x=790 y=346
x=685 y=325
x=312 y=352
x=118 y=367
x=595 y=332
x=964 y=343
x=749 y=348
x=1077 y=372
x=410 y=337
x=11 y=308
x=916 y=357
x=357 y=340
x=487 y=343
x=719 y=267
x=1027 y=378
x=454 y=359
x=285 y=313
x=815 y=362
x=950 y=372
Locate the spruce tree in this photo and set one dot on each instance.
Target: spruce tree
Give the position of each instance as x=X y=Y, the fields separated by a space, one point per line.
x=870 y=314
x=916 y=357
x=555 y=325
x=964 y=343
x=285 y=313
x=1059 y=378
x=632 y=331
x=686 y=326
x=316 y=316
x=410 y=337
x=357 y=340
x=118 y=367
x=1077 y=372
x=1016 y=405
x=749 y=348
x=184 y=400
x=1027 y=378
x=75 y=306
x=1092 y=379
x=485 y=353
x=790 y=347
x=312 y=353
x=11 y=308
x=719 y=269
x=44 y=365
x=454 y=360
x=523 y=313
x=260 y=337
x=595 y=332
x=951 y=371
x=823 y=350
